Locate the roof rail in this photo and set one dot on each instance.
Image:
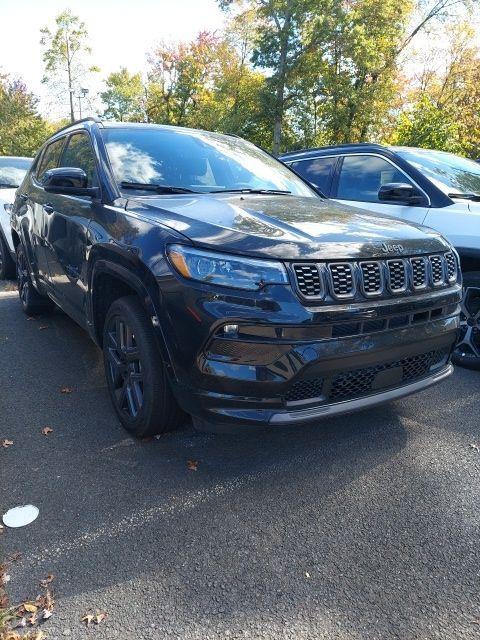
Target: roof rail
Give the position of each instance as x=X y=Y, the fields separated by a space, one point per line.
x=343 y=145
x=71 y=124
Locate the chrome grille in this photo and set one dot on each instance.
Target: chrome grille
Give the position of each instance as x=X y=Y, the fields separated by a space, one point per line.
x=451 y=263
x=419 y=273
x=371 y=278
x=342 y=280
x=436 y=264
x=308 y=279
x=397 y=277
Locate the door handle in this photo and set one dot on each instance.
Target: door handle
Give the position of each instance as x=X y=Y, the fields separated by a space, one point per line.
x=48 y=208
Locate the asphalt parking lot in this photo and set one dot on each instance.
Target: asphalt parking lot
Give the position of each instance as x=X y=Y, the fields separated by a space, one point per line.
x=359 y=527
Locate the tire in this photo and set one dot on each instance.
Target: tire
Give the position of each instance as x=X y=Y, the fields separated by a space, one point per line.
x=32 y=302
x=7 y=266
x=467 y=351
x=136 y=376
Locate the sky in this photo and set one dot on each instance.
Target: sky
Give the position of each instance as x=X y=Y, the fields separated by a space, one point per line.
x=121 y=32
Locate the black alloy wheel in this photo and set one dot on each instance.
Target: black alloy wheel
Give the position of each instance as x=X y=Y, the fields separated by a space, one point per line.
x=467 y=350
x=124 y=367
x=32 y=302
x=136 y=376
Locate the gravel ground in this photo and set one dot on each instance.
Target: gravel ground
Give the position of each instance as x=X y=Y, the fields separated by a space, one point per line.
x=360 y=527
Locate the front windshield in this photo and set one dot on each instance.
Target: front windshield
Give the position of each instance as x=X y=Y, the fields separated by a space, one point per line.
x=12 y=171
x=450 y=173
x=195 y=160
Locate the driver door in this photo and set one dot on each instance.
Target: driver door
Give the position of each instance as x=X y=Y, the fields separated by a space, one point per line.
x=361 y=176
x=66 y=238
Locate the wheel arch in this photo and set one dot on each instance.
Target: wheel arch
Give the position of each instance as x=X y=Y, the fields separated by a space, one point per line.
x=111 y=276
x=469 y=259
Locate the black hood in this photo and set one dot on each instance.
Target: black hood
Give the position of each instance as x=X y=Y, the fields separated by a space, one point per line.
x=286 y=227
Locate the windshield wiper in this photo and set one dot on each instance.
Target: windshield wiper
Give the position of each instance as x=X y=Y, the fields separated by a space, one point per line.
x=279 y=192
x=465 y=196
x=158 y=188
x=5 y=185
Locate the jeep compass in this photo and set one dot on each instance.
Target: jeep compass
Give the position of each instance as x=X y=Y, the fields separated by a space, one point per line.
x=219 y=283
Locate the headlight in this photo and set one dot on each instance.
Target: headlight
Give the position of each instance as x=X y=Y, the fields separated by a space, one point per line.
x=224 y=269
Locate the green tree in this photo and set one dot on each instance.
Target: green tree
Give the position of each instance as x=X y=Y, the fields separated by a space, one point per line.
x=22 y=130
x=429 y=126
x=124 y=97
x=280 y=47
x=64 y=56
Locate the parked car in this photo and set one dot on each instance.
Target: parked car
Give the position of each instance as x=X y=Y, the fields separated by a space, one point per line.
x=12 y=172
x=218 y=282
x=434 y=188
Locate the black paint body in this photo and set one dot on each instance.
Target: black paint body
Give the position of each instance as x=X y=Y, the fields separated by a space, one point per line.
x=73 y=242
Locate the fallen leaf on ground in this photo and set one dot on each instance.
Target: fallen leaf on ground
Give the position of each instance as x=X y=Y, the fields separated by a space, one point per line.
x=96 y=617
x=11 y=635
x=192 y=465
x=66 y=390
x=32 y=620
x=6 y=443
x=88 y=618
x=16 y=555
x=46 y=602
x=4 y=578
x=43 y=327
x=46 y=614
x=47 y=430
x=31 y=608
x=50 y=578
x=475 y=446
x=38 y=635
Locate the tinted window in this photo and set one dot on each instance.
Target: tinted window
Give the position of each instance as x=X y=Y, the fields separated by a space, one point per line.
x=79 y=154
x=12 y=171
x=318 y=171
x=451 y=173
x=50 y=157
x=196 y=160
x=362 y=176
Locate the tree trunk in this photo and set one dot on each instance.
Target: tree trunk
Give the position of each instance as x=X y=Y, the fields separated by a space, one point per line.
x=279 y=107
x=70 y=88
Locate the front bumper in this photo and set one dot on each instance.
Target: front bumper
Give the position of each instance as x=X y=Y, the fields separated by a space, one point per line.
x=366 y=402
x=291 y=364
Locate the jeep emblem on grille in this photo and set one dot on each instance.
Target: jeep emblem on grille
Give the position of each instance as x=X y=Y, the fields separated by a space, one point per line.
x=392 y=248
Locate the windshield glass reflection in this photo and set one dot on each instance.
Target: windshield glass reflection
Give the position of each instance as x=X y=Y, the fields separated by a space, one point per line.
x=196 y=160
x=450 y=173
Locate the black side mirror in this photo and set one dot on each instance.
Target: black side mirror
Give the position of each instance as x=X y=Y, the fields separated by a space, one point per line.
x=400 y=192
x=69 y=181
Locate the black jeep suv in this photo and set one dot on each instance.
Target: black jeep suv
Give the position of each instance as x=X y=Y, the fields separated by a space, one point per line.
x=219 y=282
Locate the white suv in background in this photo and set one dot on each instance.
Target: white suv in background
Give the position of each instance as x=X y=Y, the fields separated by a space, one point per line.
x=12 y=172
x=433 y=188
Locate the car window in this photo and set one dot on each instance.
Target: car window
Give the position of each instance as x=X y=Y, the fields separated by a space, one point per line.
x=79 y=153
x=318 y=171
x=362 y=176
x=50 y=157
x=12 y=171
